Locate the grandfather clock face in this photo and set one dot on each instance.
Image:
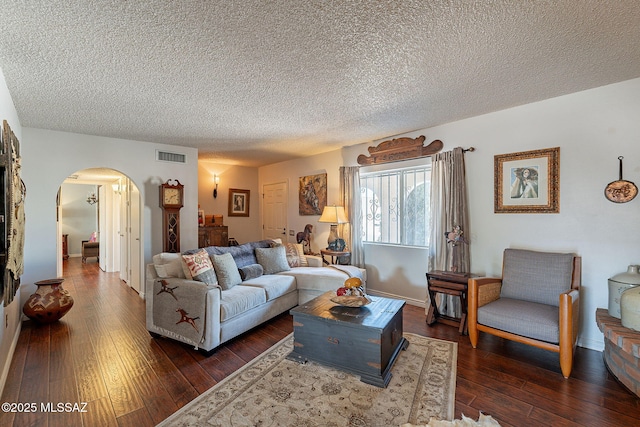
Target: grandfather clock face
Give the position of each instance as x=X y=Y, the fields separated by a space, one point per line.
x=171 y=201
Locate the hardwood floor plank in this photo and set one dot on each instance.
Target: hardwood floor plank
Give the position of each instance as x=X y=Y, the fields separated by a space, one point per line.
x=11 y=390
x=63 y=392
x=137 y=418
x=99 y=413
x=101 y=353
x=157 y=400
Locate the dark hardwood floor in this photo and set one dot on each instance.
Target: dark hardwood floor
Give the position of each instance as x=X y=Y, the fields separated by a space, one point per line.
x=100 y=353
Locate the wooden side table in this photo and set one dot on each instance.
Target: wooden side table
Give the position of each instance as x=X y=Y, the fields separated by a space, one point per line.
x=333 y=255
x=449 y=283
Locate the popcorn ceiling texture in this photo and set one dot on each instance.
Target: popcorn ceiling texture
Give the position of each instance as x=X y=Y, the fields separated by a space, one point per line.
x=255 y=82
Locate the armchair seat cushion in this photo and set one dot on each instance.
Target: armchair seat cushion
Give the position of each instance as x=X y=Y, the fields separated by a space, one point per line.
x=529 y=319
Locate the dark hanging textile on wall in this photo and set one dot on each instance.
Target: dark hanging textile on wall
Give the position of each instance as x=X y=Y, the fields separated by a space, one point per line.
x=13 y=215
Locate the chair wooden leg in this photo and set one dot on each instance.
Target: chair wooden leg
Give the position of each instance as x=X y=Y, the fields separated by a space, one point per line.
x=566 y=359
x=567 y=334
x=473 y=333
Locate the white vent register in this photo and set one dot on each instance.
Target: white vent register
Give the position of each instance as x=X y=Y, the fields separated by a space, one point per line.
x=165 y=156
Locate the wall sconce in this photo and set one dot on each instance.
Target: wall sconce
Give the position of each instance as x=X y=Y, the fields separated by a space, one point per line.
x=92 y=199
x=216 y=180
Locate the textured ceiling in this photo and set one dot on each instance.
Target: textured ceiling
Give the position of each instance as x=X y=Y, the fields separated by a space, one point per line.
x=254 y=82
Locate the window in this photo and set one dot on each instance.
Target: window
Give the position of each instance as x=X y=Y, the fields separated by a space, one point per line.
x=395 y=206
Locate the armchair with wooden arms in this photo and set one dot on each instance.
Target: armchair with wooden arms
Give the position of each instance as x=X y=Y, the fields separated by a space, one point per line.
x=536 y=302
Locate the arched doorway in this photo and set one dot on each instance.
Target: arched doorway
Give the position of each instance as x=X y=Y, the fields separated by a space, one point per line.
x=105 y=204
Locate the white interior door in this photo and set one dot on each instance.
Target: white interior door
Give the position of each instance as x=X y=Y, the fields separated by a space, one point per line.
x=274 y=220
x=104 y=205
x=135 y=247
x=124 y=231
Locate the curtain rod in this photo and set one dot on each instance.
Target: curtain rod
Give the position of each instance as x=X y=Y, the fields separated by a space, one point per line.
x=464 y=150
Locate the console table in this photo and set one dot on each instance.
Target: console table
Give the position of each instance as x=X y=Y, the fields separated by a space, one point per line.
x=449 y=283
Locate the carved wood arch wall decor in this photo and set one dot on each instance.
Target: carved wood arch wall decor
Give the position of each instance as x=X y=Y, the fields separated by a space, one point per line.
x=400 y=149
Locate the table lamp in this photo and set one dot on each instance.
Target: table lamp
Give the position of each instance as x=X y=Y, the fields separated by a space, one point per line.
x=334 y=215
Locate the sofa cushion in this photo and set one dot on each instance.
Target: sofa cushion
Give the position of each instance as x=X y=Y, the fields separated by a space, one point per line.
x=250 y=271
x=242 y=254
x=226 y=270
x=530 y=319
x=168 y=265
x=239 y=299
x=200 y=267
x=549 y=273
x=273 y=260
x=317 y=278
x=274 y=285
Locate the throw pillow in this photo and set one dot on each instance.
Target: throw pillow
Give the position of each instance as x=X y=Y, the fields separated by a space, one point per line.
x=295 y=255
x=250 y=271
x=200 y=267
x=227 y=271
x=294 y=252
x=168 y=265
x=273 y=260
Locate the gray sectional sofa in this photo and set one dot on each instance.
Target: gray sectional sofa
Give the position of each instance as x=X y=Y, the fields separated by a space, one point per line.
x=221 y=303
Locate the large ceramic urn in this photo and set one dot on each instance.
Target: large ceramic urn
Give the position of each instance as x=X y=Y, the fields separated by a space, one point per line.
x=49 y=302
x=630 y=308
x=620 y=283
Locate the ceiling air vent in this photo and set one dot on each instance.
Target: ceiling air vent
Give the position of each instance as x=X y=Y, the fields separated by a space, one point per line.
x=165 y=156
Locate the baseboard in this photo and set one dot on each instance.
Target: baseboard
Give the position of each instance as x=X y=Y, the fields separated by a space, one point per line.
x=590 y=344
x=12 y=350
x=410 y=301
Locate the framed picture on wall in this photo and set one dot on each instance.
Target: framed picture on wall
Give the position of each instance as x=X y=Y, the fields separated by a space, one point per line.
x=238 y=202
x=527 y=182
x=312 y=196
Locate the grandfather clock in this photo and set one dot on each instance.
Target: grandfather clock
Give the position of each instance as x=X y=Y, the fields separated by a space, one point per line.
x=171 y=201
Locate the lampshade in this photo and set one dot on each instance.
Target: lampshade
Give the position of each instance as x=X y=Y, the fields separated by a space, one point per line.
x=333 y=215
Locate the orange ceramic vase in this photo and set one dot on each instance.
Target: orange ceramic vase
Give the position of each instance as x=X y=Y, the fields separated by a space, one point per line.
x=49 y=302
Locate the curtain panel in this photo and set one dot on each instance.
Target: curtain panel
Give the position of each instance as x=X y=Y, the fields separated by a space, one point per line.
x=350 y=198
x=448 y=209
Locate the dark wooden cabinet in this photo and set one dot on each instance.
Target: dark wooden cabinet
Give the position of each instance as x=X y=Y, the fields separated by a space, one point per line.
x=65 y=246
x=213 y=236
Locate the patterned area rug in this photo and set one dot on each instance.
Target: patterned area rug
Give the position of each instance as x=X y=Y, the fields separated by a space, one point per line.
x=274 y=391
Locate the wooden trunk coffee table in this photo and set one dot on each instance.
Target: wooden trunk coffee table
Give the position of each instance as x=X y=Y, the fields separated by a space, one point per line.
x=364 y=341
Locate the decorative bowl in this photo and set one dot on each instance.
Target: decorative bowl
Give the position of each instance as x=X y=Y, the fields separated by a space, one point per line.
x=351 y=300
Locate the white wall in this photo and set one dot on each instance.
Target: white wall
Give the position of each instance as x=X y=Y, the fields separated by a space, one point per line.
x=243 y=229
x=290 y=172
x=10 y=315
x=50 y=156
x=592 y=128
x=79 y=218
